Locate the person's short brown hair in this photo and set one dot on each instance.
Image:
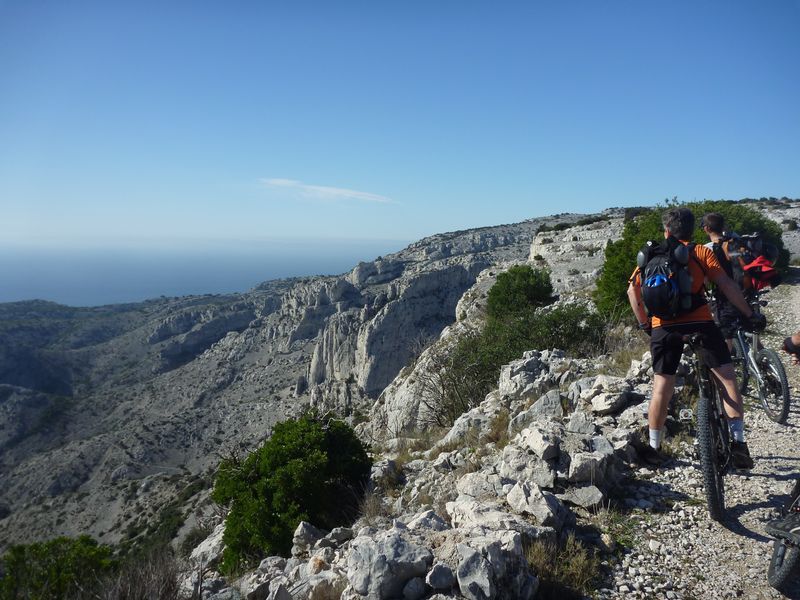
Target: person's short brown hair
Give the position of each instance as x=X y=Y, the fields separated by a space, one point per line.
x=680 y=222
x=714 y=221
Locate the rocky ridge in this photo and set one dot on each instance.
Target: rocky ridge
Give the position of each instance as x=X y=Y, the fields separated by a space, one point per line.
x=457 y=523
x=114 y=412
x=566 y=460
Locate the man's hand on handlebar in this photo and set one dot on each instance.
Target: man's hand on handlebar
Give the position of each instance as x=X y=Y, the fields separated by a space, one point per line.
x=755 y=322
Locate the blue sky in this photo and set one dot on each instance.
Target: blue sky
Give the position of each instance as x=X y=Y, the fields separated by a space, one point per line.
x=181 y=122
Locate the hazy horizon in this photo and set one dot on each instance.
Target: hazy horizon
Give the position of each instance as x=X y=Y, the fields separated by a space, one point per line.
x=104 y=275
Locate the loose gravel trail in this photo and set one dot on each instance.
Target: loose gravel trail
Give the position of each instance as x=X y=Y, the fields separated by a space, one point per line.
x=678 y=552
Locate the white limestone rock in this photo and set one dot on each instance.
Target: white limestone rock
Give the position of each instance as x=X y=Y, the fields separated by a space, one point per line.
x=379 y=567
x=209 y=552
x=529 y=499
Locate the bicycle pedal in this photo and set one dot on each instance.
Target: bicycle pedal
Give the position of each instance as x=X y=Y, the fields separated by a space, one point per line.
x=685 y=414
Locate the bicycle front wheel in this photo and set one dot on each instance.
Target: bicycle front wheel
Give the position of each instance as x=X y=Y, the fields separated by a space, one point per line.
x=710 y=441
x=774 y=391
x=785 y=558
x=740 y=365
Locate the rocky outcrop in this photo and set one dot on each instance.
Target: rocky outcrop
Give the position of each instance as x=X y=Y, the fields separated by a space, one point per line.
x=575 y=255
x=24 y=412
x=491 y=501
x=201 y=336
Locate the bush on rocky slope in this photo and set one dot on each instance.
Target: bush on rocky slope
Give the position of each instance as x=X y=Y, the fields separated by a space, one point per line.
x=458 y=377
x=518 y=289
x=620 y=258
x=53 y=569
x=309 y=470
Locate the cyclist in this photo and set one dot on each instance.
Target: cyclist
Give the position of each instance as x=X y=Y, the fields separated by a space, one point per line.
x=666 y=341
x=713 y=224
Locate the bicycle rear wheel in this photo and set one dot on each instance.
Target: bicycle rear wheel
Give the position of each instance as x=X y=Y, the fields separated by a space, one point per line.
x=774 y=393
x=785 y=558
x=740 y=365
x=710 y=442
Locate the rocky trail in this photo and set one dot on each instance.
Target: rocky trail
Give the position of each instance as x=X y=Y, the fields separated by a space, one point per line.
x=679 y=552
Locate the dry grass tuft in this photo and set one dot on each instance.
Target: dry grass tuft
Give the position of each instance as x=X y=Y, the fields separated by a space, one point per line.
x=498 y=430
x=564 y=572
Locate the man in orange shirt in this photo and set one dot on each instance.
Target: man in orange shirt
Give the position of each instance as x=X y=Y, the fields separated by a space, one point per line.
x=666 y=339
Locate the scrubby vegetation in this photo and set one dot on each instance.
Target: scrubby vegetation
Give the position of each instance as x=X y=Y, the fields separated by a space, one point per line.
x=565 y=571
x=309 y=470
x=60 y=568
x=460 y=376
x=620 y=256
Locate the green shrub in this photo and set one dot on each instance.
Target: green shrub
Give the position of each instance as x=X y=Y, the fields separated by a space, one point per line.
x=591 y=220
x=620 y=256
x=307 y=471
x=54 y=569
x=458 y=377
x=518 y=289
x=556 y=227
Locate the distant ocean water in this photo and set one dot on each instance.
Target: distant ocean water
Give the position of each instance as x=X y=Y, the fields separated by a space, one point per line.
x=93 y=277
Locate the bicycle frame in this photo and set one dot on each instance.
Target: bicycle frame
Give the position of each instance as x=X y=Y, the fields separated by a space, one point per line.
x=750 y=348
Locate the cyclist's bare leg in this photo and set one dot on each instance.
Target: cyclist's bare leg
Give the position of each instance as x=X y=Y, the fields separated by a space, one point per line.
x=663 y=386
x=732 y=399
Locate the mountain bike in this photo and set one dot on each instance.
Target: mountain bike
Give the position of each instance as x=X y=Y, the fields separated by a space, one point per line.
x=713 y=435
x=764 y=366
x=785 y=555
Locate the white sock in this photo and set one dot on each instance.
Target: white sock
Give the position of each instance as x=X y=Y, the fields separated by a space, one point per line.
x=737 y=429
x=655 y=438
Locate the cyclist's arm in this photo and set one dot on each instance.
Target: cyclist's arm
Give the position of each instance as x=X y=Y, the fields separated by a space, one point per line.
x=732 y=292
x=635 y=299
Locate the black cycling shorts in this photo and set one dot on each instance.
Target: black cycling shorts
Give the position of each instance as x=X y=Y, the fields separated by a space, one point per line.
x=666 y=346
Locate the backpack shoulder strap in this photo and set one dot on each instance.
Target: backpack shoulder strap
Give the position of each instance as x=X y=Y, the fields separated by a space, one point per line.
x=693 y=256
x=721 y=252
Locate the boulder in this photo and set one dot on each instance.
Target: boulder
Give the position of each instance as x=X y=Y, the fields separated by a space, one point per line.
x=305 y=536
x=530 y=499
x=587 y=497
x=326 y=585
x=542 y=443
x=480 y=484
x=606 y=403
x=427 y=521
x=380 y=567
x=518 y=464
x=548 y=405
x=587 y=467
x=491 y=519
x=474 y=575
x=339 y=535
x=272 y=563
x=209 y=552
x=440 y=577
x=580 y=422
x=255 y=586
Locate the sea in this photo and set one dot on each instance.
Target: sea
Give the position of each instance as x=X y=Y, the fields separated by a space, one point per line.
x=107 y=275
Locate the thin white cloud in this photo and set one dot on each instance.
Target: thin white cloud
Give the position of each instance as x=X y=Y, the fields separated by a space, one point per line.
x=326 y=193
